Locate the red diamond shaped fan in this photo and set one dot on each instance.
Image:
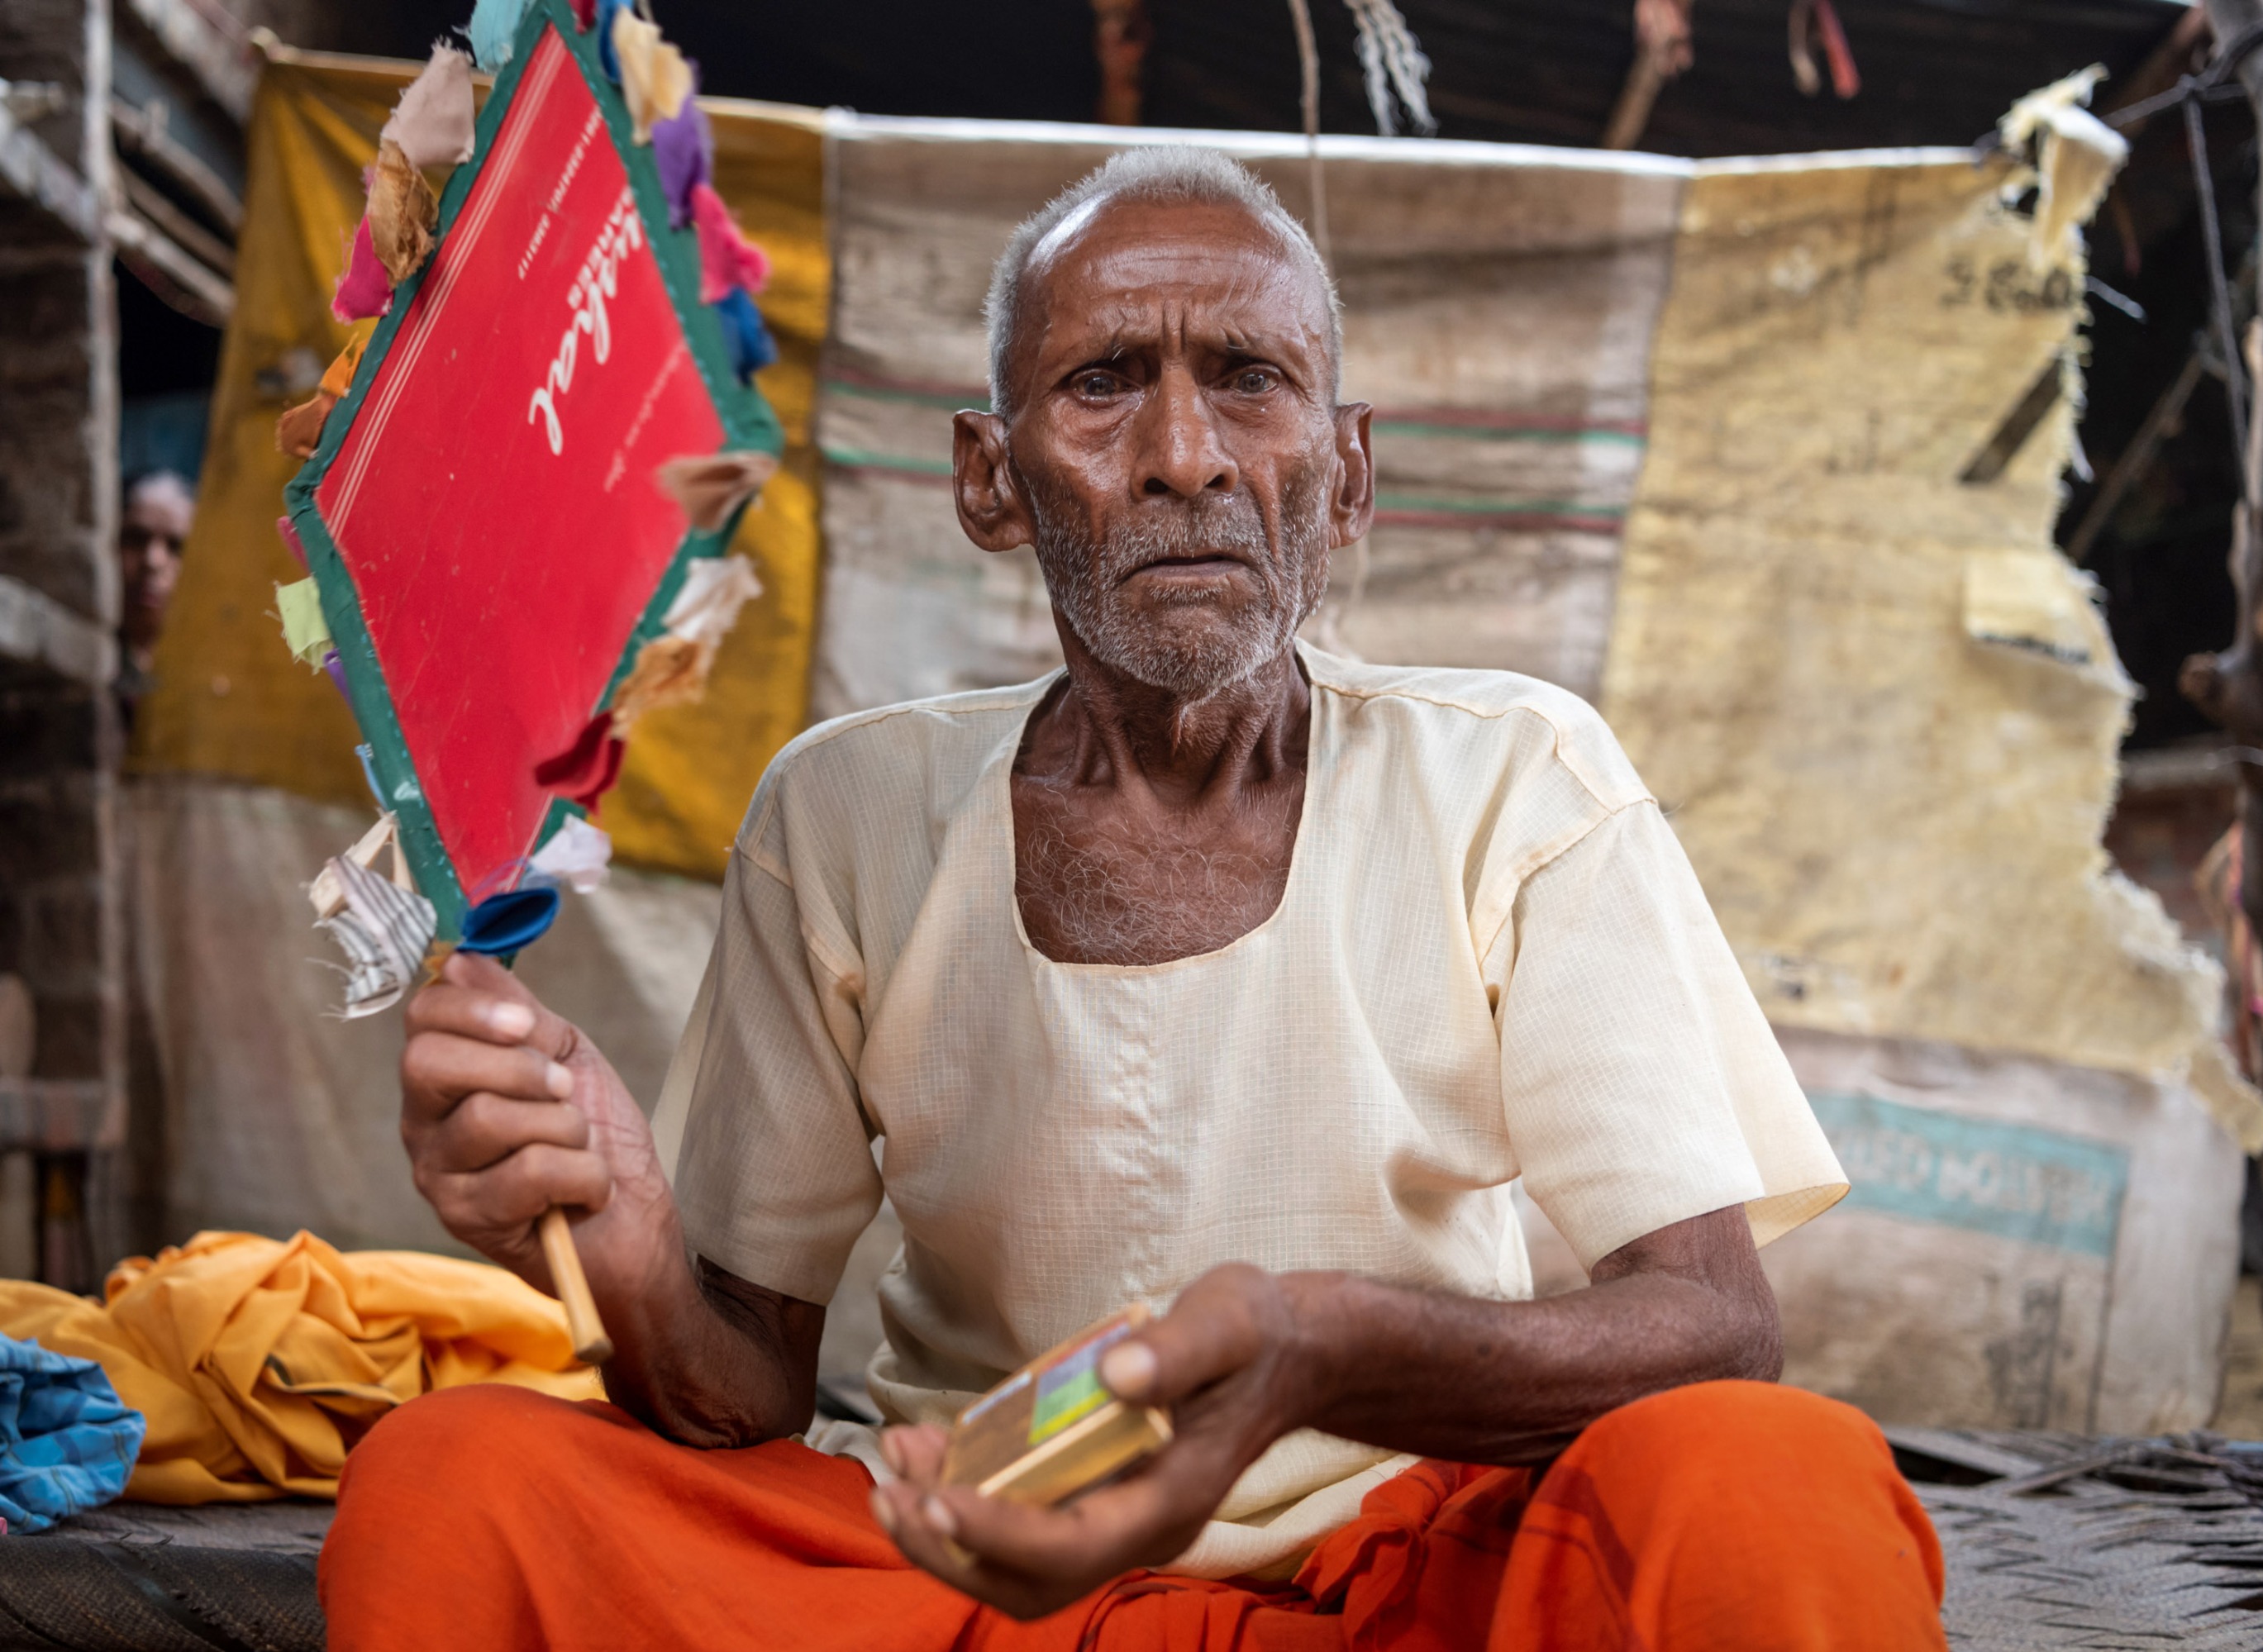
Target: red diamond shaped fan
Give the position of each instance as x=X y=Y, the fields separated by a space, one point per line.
x=517 y=499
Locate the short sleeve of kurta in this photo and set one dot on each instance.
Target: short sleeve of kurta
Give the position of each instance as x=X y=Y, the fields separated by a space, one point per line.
x=1641 y=1082
x=770 y=1152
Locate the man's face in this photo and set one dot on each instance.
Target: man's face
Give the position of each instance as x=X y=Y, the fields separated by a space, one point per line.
x=150 y=538
x=1176 y=439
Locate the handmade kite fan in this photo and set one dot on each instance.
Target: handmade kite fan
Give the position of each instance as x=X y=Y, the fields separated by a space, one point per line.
x=519 y=496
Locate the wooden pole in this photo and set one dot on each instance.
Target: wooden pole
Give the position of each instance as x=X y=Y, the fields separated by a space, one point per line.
x=1120 y=36
x=1662 y=50
x=591 y=1346
x=1308 y=68
x=2229 y=685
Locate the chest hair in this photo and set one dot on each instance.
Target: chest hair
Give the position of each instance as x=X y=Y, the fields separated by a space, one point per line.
x=1100 y=889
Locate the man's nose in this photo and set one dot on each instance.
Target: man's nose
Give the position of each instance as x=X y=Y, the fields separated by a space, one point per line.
x=1179 y=450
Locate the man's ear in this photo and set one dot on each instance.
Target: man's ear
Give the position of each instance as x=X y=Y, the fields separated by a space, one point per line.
x=1351 y=512
x=990 y=507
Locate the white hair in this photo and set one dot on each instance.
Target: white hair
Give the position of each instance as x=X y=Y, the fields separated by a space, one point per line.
x=163 y=488
x=1171 y=173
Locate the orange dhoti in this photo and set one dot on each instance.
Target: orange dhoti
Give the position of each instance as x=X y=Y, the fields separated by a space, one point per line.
x=1734 y=1515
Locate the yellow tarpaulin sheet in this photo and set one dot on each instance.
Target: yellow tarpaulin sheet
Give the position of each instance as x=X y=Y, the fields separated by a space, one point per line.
x=231 y=700
x=259 y=1362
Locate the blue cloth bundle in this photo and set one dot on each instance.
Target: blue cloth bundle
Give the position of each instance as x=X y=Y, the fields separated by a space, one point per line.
x=67 y=1442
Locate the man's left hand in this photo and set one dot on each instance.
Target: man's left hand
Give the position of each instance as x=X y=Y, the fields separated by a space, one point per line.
x=1231 y=1365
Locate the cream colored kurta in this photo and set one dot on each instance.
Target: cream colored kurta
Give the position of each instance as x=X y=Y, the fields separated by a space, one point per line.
x=1491 y=960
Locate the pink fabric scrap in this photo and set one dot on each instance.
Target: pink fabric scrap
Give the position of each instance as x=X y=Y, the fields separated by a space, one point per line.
x=289 y=536
x=585 y=13
x=728 y=260
x=433 y=121
x=363 y=291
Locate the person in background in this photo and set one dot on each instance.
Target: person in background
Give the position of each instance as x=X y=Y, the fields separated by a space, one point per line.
x=160 y=507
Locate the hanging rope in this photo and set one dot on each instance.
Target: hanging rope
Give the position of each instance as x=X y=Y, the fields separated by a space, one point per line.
x=2213 y=84
x=1308 y=62
x=2219 y=292
x=1392 y=60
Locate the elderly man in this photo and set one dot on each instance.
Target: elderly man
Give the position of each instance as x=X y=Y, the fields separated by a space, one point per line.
x=1210 y=972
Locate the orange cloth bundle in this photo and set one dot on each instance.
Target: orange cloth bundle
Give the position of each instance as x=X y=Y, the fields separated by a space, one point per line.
x=259 y=1363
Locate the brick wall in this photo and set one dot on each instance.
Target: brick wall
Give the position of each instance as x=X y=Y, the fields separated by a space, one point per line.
x=61 y=927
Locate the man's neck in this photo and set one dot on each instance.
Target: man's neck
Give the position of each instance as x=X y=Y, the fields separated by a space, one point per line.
x=1150 y=826
x=1111 y=730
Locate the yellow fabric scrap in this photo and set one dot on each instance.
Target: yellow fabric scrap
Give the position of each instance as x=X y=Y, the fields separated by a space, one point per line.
x=668 y=671
x=305 y=630
x=2076 y=156
x=402 y=211
x=259 y=1363
x=337 y=378
x=655 y=78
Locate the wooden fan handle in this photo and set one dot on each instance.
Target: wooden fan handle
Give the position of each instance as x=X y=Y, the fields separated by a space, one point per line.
x=591 y=1346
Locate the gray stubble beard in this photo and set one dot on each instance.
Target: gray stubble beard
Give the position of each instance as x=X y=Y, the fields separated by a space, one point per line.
x=1086 y=578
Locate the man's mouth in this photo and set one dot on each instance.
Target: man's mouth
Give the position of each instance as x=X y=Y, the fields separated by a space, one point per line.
x=1193 y=565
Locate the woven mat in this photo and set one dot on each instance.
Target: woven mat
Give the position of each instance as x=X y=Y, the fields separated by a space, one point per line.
x=134 y=1577
x=2065 y=1540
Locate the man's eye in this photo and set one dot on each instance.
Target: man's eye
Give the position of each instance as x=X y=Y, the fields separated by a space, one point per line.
x=1253 y=381
x=1096 y=384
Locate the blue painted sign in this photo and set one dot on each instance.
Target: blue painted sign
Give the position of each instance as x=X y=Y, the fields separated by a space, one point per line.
x=2019 y=1181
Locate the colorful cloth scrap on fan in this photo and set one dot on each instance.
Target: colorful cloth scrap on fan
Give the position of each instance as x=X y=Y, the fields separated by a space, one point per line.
x=684 y=149
x=727 y=259
x=607 y=10
x=402 y=213
x=493 y=31
x=578 y=855
x=306 y=632
x=433 y=121
x=363 y=289
x=384 y=931
x=656 y=81
x=67 y=1441
x=710 y=487
x=744 y=334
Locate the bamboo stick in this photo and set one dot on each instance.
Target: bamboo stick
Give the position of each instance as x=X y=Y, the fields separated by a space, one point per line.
x=591 y=1346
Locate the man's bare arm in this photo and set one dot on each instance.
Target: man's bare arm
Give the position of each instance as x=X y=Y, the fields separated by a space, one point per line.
x=1507 y=1382
x=1245 y=1356
x=506 y=1110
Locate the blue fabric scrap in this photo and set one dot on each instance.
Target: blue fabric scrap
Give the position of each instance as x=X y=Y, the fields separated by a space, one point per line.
x=368 y=757
x=494 y=31
x=747 y=340
x=506 y=922
x=606 y=60
x=67 y=1441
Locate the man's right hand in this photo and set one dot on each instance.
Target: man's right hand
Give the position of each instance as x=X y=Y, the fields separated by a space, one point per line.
x=507 y=1110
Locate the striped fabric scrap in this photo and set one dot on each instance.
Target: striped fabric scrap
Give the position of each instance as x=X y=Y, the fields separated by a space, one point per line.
x=383 y=930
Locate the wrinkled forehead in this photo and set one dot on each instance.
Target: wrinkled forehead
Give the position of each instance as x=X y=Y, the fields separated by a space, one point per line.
x=1130 y=272
x=158 y=513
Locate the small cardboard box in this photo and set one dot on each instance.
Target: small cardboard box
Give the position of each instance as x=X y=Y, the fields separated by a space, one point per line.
x=1052 y=1430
